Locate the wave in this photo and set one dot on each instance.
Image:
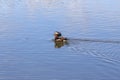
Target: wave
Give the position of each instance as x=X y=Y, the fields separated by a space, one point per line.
x=107 y=50
x=96 y=40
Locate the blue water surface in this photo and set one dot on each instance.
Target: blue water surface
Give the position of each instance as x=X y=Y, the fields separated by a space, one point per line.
x=27 y=51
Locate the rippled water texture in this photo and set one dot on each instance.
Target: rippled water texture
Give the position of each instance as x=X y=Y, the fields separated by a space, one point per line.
x=27 y=51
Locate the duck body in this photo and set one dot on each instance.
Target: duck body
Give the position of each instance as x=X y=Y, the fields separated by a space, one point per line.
x=59 y=38
x=59 y=42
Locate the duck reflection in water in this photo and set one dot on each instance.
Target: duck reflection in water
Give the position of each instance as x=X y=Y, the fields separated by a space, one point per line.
x=60 y=44
x=59 y=40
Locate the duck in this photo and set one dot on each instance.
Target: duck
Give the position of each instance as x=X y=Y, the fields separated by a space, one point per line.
x=59 y=38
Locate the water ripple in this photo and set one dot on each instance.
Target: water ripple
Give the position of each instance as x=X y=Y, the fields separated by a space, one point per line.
x=103 y=49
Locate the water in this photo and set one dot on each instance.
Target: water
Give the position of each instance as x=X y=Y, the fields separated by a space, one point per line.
x=27 y=51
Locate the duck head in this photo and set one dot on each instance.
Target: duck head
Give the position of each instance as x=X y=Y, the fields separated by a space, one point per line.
x=57 y=34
